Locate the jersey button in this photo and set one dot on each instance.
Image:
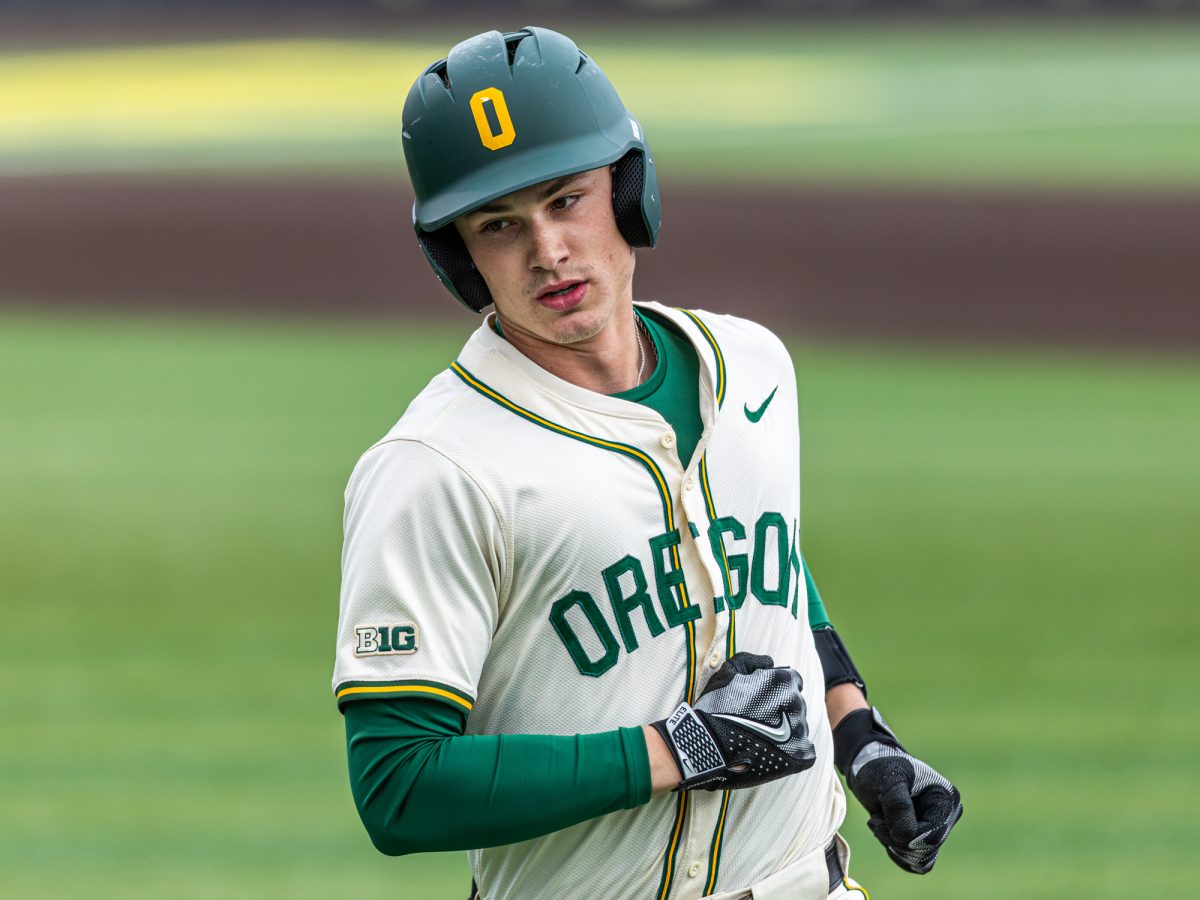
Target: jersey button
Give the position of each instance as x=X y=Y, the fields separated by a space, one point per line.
x=714 y=660
x=667 y=440
x=693 y=870
x=689 y=483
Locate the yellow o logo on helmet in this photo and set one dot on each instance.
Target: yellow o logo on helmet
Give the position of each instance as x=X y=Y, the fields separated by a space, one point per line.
x=507 y=133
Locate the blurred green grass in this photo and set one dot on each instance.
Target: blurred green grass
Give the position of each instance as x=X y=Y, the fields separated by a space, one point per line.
x=1100 y=103
x=1004 y=538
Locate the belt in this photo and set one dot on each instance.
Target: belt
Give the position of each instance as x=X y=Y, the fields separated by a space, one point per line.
x=833 y=865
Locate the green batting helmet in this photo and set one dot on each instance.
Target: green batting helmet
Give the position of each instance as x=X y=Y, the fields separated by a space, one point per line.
x=506 y=111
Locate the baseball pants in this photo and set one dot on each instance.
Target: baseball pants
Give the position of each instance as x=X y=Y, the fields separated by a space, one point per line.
x=819 y=875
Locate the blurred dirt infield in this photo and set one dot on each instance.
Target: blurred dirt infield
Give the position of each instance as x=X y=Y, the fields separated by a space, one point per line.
x=1116 y=269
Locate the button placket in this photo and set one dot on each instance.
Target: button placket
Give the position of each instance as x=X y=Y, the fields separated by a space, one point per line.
x=693 y=505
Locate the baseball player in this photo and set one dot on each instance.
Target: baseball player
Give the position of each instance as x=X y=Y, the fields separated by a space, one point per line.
x=577 y=637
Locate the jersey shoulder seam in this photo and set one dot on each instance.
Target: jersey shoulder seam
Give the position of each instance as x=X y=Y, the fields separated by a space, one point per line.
x=399 y=432
x=463 y=396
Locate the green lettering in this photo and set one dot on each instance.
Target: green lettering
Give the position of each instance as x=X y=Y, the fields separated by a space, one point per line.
x=794 y=561
x=566 y=633
x=778 y=595
x=730 y=562
x=624 y=604
x=404 y=638
x=669 y=579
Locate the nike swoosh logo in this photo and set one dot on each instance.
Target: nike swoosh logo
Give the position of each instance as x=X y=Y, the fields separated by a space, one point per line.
x=757 y=414
x=779 y=734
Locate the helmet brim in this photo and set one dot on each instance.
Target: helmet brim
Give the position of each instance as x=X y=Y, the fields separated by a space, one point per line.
x=514 y=173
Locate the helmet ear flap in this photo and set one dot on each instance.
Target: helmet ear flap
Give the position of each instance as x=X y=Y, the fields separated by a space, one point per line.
x=448 y=255
x=635 y=201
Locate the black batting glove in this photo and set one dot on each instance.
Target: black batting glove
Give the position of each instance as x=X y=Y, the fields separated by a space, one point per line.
x=912 y=807
x=748 y=727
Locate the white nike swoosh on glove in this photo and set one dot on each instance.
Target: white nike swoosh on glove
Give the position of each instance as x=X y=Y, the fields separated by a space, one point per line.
x=780 y=733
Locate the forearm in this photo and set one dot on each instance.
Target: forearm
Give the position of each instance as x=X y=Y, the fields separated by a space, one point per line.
x=445 y=791
x=842 y=700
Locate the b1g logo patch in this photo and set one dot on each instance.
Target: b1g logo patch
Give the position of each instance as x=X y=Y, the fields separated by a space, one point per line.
x=385 y=640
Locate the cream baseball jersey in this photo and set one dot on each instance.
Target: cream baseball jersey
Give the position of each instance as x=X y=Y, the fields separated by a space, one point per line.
x=535 y=553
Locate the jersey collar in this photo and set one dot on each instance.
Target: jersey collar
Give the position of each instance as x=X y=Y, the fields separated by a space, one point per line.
x=498 y=362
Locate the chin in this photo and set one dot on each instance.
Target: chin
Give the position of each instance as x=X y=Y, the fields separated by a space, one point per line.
x=580 y=325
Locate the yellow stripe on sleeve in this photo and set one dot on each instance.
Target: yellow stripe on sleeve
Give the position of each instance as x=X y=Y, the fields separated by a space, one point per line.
x=397 y=688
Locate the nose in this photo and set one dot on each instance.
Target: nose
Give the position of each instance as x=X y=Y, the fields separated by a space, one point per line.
x=547 y=245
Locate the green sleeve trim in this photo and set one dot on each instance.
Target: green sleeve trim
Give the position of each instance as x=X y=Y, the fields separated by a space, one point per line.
x=348 y=691
x=817 y=617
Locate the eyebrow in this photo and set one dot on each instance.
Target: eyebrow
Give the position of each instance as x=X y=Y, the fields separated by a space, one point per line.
x=544 y=194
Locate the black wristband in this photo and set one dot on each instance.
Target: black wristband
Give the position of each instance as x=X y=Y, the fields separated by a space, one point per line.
x=835 y=659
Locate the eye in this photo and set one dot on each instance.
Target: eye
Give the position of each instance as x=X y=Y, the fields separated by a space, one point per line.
x=495 y=226
x=564 y=202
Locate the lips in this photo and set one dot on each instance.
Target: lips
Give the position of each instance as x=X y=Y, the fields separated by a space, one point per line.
x=558 y=287
x=562 y=295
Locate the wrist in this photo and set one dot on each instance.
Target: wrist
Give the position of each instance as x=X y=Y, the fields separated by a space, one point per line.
x=664 y=771
x=855 y=731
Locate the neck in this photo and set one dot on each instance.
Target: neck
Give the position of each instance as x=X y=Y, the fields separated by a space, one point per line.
x=606 y=362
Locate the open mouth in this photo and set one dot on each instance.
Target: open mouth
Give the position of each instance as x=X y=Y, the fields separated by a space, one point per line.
x=563 y=295
x=559 y=290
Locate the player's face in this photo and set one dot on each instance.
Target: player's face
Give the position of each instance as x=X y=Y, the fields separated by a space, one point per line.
x=552 y=257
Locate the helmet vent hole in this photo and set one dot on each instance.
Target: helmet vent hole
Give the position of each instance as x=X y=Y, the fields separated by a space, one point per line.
x=511 y=47
x=583 y=60
x=440 y=72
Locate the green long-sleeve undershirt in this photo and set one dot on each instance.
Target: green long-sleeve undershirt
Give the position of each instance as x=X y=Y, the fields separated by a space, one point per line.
x=817 y=616
x=421 y=784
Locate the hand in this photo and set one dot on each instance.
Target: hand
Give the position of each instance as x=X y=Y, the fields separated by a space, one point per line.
x=912 y=806
x=747 y=727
